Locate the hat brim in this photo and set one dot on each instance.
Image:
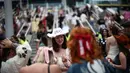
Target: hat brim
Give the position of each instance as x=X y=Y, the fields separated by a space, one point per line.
x=54 y=35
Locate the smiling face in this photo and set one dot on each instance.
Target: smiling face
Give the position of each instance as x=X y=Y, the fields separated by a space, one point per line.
x=59 y=40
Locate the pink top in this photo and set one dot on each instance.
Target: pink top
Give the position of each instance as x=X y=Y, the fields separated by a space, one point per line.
x=62 y=58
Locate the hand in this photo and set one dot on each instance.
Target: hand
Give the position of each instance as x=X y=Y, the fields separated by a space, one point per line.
x=6 y=43
x=112 y=64
x=109 y=60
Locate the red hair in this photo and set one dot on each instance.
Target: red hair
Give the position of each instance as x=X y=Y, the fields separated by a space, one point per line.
x=123 y=39
x=73 y=43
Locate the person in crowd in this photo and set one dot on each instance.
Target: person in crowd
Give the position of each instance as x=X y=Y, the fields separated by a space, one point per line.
x=38 y=10
x=43 y=67
x=61 y=54
x=108 y=21
x=7 y=50
x=105 y=35
x=2 y=33
x=126 y=28
x=49 y=19
x=14 y=63
x=126 y=15
x=61 y=19
x=112 y=49
x=60 y=48
x=41 y=35
x=29 y=23
x=85 y=52
x=2 y=37
x=121 y=61
x=44 y=22
x=15 y=26
x=22 y=38
x=35 y=22
x=101 y=23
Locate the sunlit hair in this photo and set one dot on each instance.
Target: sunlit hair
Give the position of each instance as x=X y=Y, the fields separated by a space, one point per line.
x=56 y=46
x=73 y=43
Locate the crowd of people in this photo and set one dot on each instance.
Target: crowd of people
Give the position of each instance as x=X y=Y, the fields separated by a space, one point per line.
x=75 y=48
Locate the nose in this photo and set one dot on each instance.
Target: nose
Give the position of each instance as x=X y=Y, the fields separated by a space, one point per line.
x=60 y=38
x=26 y=51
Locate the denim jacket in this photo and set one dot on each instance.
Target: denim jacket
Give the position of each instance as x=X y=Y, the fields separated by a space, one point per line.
x=87 y=67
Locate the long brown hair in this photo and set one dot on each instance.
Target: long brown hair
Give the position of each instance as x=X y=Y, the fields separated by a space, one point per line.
x=72 y=44
x=56 y=46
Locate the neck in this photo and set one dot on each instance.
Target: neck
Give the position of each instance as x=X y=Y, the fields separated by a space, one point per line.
x=105 y=36
x=60 y=46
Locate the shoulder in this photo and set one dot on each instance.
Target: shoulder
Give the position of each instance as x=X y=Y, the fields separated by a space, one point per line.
x=122 y=55
x=75 y=67
x=109 y=38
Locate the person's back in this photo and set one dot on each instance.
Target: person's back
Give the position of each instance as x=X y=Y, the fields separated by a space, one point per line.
x=87 y=67
x=41 y=68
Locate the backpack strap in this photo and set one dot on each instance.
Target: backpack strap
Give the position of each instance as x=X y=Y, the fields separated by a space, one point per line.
x=48 y=68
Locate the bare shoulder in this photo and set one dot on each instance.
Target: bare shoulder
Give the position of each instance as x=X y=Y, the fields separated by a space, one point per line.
x=55 y=69
x=110 y=37
x=122 y=55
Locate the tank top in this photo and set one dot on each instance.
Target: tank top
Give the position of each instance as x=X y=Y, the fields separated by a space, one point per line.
x=113 y=52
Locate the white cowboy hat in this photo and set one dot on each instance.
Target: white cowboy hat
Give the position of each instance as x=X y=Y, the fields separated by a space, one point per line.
x=56 y=32
x=66 y=28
